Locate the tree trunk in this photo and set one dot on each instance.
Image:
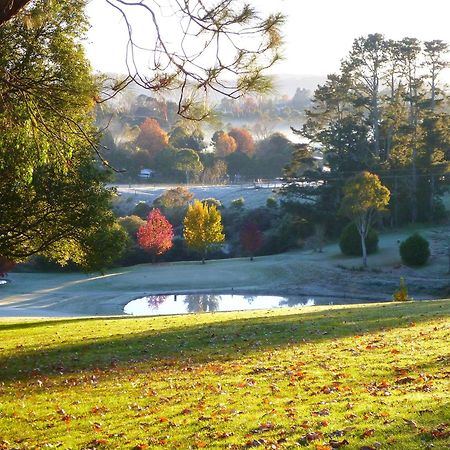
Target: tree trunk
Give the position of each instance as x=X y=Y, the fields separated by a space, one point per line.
x=389 y=137
x=364 y=250
x=433 y=91
x=375 y=113
x=395 y=201
x=9 y=8
x=414 y=185
x=431 y=198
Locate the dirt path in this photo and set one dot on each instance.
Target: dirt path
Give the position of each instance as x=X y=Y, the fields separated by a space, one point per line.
x=293 y=273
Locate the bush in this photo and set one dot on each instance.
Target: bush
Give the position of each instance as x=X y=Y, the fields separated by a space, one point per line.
x=212 y=202
x=141 y=210
x=401 y=294
x=350 y=241
x=415 y=250
x=238 y=203
x=131 y=224
x=271 y=202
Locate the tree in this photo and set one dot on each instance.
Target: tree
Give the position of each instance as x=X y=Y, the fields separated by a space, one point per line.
x=55 y=214
x=103 y=247
x=188 y=162
x=273 y=154
x=202 y=227
x=364 y=195
x=244 y=140
x=156 y=236
x=224 y=144
x=365 y=66
x=131 y=225
x=5 y=266
x=251 y=238
x=52 y=190
x=244 y=44
x=180 y=137
x=214 y=169
x=435 y=63
x=152 y=138
x=177 y=197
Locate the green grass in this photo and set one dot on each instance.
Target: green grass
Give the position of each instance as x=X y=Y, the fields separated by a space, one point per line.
x=354 y=377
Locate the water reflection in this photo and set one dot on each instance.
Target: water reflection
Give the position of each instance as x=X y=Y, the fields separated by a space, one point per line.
x=155 y=300
x=198 y=303
x=202 y=303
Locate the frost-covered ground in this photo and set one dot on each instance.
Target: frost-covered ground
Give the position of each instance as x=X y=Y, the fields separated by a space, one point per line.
x=294 y=273
x=254 y=194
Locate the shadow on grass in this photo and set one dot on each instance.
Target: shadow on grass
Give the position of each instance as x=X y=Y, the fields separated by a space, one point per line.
x=207 y=341
x=31 y=322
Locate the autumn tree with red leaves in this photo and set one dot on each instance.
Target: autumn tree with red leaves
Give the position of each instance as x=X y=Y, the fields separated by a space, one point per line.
x=156 y=236
x=6 y=265
x=251 y=238
x=152 y=138
x=244 y=140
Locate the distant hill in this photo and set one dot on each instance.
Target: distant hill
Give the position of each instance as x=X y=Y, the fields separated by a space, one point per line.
x=287 y=84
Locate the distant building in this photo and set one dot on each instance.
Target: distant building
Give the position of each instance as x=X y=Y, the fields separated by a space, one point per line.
x=146 y=174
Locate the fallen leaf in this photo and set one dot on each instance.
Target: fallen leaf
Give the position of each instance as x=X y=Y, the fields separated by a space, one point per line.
x=368 y=433
x=338 y=444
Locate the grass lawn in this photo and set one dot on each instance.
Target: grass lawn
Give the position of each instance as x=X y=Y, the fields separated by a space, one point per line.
x=352 y=377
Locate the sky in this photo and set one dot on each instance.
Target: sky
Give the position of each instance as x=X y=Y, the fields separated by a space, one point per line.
x=318 y=33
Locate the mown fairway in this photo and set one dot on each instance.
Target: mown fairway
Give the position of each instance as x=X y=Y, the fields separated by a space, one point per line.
x=325 y=377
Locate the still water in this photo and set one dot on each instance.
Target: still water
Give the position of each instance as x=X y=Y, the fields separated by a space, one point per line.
x=154 y=305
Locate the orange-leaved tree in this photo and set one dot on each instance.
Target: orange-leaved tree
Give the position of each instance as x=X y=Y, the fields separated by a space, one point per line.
x=203 y=227
x=224 y=143
x=152 y=138
x=364 y=195
x=156 y=236
x=244 y=140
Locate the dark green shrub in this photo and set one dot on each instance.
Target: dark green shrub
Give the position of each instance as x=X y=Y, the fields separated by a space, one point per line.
x=238 y=203
x=415 y=250
x=350 y=241
x=141 y=210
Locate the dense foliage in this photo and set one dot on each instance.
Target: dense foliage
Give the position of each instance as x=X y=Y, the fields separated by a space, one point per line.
x=364 y=195
x=156 y=235
x=384 y=112
x=251 y=238
x=350 y=241
x=54 y=202
x=415 y=250
x=203 y=227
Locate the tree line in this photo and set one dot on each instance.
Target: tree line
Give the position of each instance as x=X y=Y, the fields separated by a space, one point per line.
x=182 y=154
x=384 y=112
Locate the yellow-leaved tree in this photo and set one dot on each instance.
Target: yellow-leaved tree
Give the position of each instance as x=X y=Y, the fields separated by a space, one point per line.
x=202 y=227
x=364 y=195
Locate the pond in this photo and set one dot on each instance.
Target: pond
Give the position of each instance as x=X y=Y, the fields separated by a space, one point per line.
x=154 y=305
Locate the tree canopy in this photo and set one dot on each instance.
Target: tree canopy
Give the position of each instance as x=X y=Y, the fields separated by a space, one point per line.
x=203 y=227
x=156 y=235
x=243 y=44
x=364 y=195
x=52 y=190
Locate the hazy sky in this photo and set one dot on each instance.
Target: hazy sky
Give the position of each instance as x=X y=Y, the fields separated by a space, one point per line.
x=318 y=33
